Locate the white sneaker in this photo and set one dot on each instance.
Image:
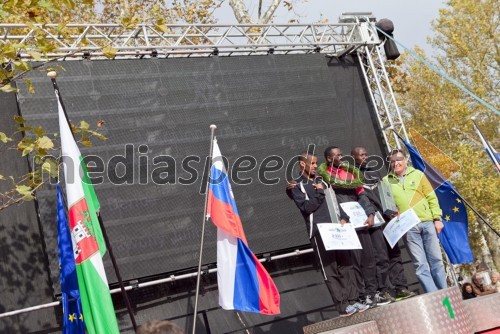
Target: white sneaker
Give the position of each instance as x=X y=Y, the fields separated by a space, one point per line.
x=349 y=310
x=361 y=307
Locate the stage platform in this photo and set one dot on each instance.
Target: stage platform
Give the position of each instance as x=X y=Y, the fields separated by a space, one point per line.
x=442 y=311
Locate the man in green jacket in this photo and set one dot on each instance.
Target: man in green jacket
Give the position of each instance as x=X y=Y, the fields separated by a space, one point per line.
x=412 y=190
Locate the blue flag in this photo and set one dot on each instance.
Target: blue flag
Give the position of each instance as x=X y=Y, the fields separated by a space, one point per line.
x=455 y=235
x=72 y=308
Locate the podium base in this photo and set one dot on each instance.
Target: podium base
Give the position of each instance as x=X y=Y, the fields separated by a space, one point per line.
x=443 y=311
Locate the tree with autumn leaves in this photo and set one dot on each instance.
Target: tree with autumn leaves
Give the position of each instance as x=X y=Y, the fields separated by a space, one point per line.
x=127 y=13
x=466 y=48
x=35 y=13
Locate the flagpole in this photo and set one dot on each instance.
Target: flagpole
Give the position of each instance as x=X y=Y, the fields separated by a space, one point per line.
x=117 y=272
x=486 y=144
x=451 y=269
x=466 y=203
x=53 y=75
x=478 y=214
x=205 y=218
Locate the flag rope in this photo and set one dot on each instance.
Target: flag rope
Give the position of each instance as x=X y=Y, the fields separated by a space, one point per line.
x=441 y=73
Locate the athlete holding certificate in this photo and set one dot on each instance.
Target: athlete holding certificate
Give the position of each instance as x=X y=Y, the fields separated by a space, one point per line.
x=412 y=191
x=336 y=265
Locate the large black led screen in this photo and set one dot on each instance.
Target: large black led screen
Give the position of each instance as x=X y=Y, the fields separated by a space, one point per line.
x=157 y=114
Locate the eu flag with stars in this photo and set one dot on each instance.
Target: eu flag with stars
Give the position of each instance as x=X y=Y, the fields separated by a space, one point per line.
x=72 y=308
x=455 y=235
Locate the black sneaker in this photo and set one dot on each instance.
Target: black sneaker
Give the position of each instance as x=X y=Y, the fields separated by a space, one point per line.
x=404 y=294
x=369 y=301
x=388 y=296
x=381 y=300
x=349 y=310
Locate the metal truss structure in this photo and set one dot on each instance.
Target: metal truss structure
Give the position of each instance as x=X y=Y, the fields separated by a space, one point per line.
x=146 y=40
x=354 y=34
x=376 y=78
x=382 y=96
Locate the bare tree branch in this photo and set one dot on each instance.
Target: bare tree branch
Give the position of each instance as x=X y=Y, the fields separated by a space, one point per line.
x=124 y=8
x=242 y=16
x=240 y=11
x=268 y=15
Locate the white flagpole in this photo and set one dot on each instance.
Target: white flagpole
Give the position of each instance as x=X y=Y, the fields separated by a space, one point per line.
x=205 y=218
x=486 y=145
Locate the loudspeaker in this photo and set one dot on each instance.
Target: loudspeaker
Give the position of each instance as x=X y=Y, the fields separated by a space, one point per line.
x=391 y=49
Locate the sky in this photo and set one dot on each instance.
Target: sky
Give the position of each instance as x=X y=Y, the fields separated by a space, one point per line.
x=412 y=19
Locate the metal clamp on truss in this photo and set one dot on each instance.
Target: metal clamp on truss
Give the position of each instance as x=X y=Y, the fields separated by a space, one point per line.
x=362 y=33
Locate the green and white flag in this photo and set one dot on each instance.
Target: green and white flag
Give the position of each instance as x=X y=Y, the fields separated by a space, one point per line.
x=88 y=243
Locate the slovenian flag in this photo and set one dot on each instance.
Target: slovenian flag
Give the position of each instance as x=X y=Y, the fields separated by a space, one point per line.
x=87 y=239
x=244 y=284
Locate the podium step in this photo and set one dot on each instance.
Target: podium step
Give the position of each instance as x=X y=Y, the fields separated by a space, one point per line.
x=484 y=312
x=369 y=327
x=440 y=312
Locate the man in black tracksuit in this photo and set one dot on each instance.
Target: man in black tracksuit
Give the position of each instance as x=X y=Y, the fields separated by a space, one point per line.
x=390 y=271
x=348 y=188
x=336 y=265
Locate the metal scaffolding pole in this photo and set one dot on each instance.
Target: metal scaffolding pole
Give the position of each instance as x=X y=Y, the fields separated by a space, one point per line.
x=171 y=278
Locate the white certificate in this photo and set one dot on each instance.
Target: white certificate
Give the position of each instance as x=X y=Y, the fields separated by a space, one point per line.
x=336 y=236
x=356 y=213
x=397 y=227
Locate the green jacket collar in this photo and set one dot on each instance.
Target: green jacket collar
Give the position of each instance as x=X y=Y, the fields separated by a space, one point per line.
x=409 y=169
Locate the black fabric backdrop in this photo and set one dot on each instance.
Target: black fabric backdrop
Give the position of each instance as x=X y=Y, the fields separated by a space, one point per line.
x=24 y=276
x=262 y=106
